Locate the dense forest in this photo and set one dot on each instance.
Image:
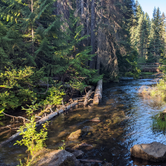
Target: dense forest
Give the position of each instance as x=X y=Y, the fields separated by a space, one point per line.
x=73 y=43
x=51 y=48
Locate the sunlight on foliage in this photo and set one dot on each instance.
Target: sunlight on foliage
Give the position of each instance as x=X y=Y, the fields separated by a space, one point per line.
x=33 y=140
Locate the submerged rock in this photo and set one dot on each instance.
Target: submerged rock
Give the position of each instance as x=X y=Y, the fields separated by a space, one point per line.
x=126 y=78
x=82 y=146
x=87 y=128
x=107 y=164
x=96 y=119
x=153 y=152
x=78 y=153
x=75 y=135
x=58 y=158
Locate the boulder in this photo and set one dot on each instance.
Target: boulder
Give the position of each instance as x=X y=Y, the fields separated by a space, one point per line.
x=58 y=158
x=154 y=151
x=78 y=153
x=75 y=135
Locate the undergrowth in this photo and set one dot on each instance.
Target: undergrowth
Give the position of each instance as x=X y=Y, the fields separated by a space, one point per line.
x=159 y=90
x=159 y=122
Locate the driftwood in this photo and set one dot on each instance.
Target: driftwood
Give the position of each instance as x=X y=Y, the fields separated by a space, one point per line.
x=98 y=93
x=41 y=121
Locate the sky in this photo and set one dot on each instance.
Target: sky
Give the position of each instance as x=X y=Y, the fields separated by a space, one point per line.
x=148 y=6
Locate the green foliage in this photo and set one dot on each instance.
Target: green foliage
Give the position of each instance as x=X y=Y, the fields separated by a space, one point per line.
x=156 y=45
x=159 y=122
x=54 y=96
x=135 y=71
x=33 y=140
x=1 y=113
x=16 y=88
x=78 y=85
x=129 y=66
x=142 y=60
x=62 y=147
x=159 y=90
x=30 y=59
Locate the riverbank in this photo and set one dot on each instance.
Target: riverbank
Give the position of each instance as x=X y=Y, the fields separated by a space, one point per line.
x=125 y=120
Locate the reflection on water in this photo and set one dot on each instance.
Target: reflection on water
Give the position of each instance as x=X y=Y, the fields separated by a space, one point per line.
x=125 y=120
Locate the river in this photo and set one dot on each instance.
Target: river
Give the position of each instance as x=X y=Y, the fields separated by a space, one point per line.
x=125 y=120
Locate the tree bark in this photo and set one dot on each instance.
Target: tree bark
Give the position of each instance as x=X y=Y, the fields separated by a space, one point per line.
x=87 y=97
x=82 y=17
x=92 y=62
x=100 y=15
x=32 y=30
x=98 y=93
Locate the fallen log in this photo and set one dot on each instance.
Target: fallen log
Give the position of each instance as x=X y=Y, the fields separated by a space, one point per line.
x=98 y=93
x=50 y=116
x=41 y=121
x=87 y=98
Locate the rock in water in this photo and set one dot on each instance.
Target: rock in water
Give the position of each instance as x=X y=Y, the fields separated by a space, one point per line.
x=154 y=151
x=78 y=153
x=58 y=158
x=75 y=135
x=96 y=119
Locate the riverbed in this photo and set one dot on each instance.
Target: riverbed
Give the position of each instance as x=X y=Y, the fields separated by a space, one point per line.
x=125 y=120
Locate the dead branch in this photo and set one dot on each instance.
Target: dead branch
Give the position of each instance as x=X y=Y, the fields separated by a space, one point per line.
x=41 y=121
x=17 y=117
x=2 y=128
x=4 y=132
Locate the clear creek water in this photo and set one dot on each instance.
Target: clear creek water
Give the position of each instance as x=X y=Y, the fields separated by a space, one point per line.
x=125 y=120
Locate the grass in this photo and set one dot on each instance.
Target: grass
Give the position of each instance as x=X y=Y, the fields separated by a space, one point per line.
x=158 y=91
x=159 y=122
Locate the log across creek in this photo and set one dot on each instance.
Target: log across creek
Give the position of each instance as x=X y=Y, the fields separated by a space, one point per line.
x=98 y=93
x=97 y=98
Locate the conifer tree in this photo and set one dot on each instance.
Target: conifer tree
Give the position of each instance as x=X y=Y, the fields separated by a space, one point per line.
x=140 y=33
x=156 y=46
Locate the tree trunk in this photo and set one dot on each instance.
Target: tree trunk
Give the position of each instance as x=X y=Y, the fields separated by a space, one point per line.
x=82 y=17
x=98 y=93
x=99 y=36
x=92 y=62
x=77 y=8
x=87 y=98
x=87 y=21
x=32 y=30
